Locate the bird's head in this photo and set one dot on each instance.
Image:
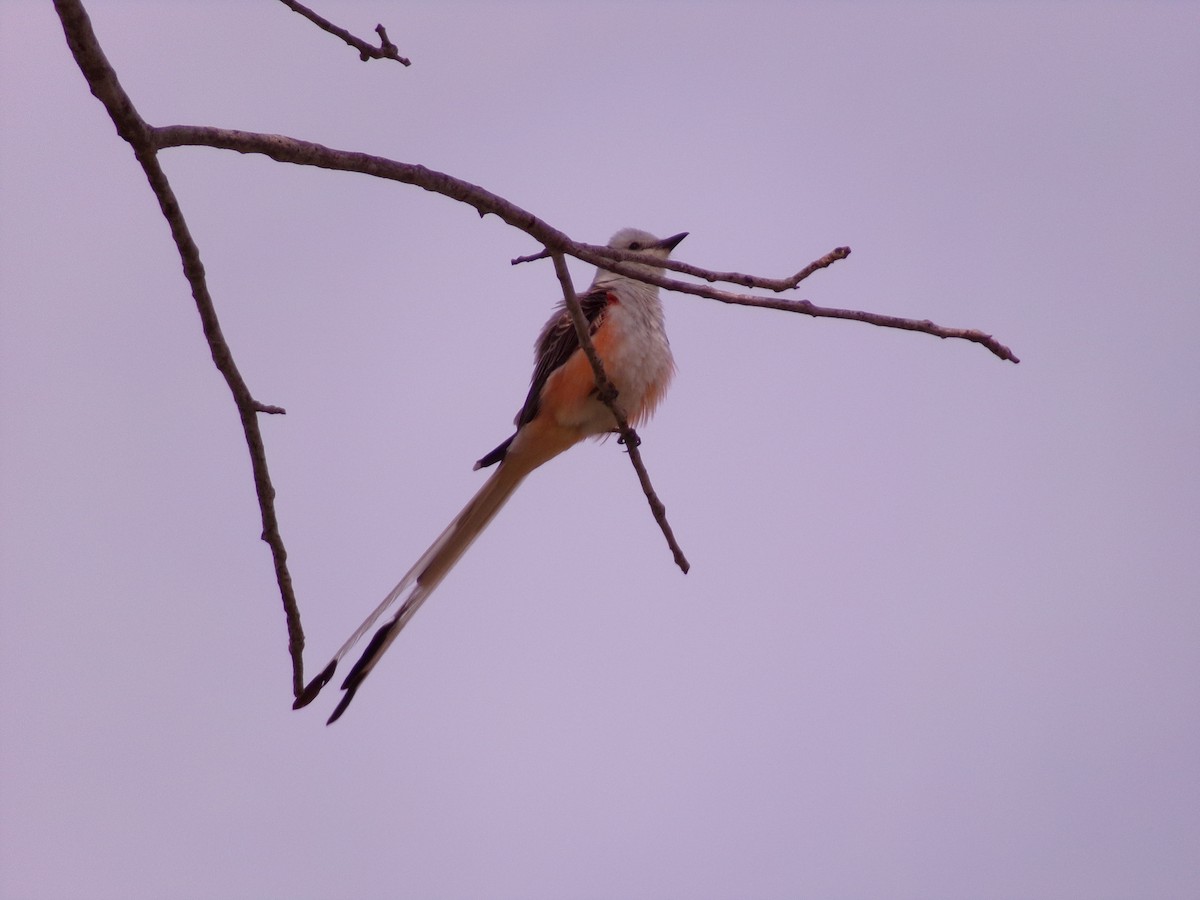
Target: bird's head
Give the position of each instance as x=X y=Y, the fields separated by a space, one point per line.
x=638 y=241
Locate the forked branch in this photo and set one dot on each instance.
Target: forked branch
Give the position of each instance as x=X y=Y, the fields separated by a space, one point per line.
x=366 y=52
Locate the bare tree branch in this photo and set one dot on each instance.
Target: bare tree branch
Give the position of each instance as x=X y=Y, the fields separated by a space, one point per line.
x=306 y=153
x=597 y=255
x=609 y=397
x=385 y=50
x=104 y=85
x=807 y=308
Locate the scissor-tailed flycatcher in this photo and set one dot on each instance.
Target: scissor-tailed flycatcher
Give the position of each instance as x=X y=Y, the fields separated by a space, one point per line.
x=625 y=320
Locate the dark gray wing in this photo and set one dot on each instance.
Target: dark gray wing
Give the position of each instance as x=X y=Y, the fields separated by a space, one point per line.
x=555 y=345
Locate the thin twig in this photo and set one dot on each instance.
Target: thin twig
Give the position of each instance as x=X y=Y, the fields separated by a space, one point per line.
x=596 y=255
x=609 y=397
x=804 y=307
x=104 y=85
x=543 y=254
x=385 y=50
x=751 y=281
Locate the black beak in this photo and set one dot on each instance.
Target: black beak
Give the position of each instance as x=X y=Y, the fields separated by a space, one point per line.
x=671 y=242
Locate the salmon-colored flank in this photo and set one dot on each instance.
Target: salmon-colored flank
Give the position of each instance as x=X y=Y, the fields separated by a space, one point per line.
x=570 y=387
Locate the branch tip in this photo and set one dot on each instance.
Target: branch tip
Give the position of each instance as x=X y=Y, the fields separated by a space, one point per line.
x=366 y=52
x=544 y=254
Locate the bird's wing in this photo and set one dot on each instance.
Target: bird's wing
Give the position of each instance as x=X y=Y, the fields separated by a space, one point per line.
x=555 y=345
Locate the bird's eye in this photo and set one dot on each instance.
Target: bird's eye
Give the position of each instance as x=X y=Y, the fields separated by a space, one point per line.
x=635 y=245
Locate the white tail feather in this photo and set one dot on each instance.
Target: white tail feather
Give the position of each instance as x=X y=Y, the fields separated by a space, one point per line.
x=405 y=582
x=419 y=582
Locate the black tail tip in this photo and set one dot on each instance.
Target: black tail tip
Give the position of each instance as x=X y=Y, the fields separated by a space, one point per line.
x=341 y=707
x=309 y=694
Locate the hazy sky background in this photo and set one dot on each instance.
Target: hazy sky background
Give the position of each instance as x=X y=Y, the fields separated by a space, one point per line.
x=941 y=638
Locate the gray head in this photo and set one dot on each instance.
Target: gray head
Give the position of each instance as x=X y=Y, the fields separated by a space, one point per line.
x=643 y=241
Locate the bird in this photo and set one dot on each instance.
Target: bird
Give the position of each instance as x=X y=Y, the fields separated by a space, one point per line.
x=626 y=326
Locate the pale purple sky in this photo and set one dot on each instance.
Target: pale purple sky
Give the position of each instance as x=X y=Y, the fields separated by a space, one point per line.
x=941 y=638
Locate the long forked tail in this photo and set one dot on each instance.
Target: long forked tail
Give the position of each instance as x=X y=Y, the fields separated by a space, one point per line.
x=416 y=586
